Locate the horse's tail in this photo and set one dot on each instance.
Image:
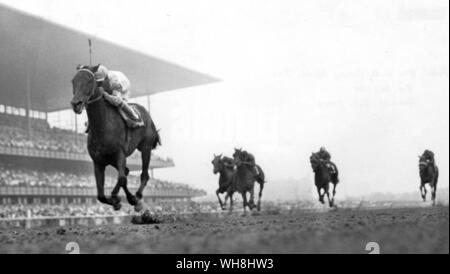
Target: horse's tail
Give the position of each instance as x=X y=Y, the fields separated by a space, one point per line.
x=336 y=175
x=157 y=140
x=261 y=177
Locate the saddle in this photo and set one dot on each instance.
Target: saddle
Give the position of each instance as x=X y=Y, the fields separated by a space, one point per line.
x=126 y=111
x=129 y=121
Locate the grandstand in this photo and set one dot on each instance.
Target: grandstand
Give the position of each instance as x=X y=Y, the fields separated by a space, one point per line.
x=44 y=167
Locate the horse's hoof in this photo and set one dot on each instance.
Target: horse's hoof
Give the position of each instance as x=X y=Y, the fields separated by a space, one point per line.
x=139 y=206
x=116 y=199
x=117 y=206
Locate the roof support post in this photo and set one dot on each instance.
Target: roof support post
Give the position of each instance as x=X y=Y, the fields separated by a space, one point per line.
x=28 y=105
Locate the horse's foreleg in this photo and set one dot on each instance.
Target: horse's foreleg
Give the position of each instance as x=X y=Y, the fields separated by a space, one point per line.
x=320 y=195
x=334 y=193
x=122 y=181
x=433 y=194
x=251 y=203
x=145 y=156
x=99 y=171
x=244 y=201
x=330 y=202
x=231 y=201
x=220 y=200
x=424 y=192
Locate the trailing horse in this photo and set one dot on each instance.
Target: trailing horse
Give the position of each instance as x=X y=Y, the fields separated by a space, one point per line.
x=429 y=174
x=110 y=141
x=225 y=167
x=323 y=178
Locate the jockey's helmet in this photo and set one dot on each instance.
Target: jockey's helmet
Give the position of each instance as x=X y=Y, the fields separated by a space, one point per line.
x=101 y=73
x=323 y=149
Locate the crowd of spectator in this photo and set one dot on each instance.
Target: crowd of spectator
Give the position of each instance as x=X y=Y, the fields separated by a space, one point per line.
x=14 y=133
x=36 y=211
x=99 y=210
x=34 y=178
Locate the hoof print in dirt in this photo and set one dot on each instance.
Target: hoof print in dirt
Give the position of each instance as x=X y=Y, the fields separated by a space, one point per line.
x=145 y=219
x=61 y=231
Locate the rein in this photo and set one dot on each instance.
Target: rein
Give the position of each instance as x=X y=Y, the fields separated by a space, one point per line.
x=94 y=87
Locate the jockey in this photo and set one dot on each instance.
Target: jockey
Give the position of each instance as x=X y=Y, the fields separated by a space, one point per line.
x=117 y=87
x=251 y=159
x=429 y=156
x=325 y=156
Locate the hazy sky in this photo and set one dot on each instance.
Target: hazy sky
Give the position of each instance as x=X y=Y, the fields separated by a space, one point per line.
x=367 y=79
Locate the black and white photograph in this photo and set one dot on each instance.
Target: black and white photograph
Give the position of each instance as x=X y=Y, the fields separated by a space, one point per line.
x=207 y=129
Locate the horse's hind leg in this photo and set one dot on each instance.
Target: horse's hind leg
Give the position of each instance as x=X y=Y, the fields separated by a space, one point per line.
x=261 y=187
x=145 y=155
x=99 y=171
x=433 y=194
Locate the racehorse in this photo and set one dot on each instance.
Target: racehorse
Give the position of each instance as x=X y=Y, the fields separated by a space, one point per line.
x=429 y=174
x=110 y=141
x=245 y=178
x=225 y=167
x=323 y=178
x=249 y=160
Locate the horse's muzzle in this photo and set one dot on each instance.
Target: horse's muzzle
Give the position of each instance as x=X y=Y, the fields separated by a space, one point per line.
x=77 y=107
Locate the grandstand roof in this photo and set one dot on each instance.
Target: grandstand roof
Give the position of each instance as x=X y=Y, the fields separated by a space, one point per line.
x=49 y=53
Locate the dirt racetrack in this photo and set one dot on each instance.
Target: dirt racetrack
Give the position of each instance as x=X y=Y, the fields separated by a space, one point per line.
x=403 y=230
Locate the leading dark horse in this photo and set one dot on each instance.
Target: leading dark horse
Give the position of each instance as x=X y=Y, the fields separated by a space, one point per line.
x=110 y=141
x=429 y=174
x=248 y=160
x=323 y=178
x=225 y=167
x=244 y=179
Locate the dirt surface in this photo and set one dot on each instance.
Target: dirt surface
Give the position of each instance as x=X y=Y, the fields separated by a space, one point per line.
x=408 y=230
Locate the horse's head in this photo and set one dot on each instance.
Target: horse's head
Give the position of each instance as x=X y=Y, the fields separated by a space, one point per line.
x=84 y=86
x=315 y=161
x=216 y=162
x=424 y=162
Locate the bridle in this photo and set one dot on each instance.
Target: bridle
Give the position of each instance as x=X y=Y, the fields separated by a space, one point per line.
x=94 y=87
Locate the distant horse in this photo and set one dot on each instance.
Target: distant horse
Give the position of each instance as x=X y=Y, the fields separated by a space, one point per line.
x=110 y=141
x=323 y=178
x=225 y=167
x=429 y=174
